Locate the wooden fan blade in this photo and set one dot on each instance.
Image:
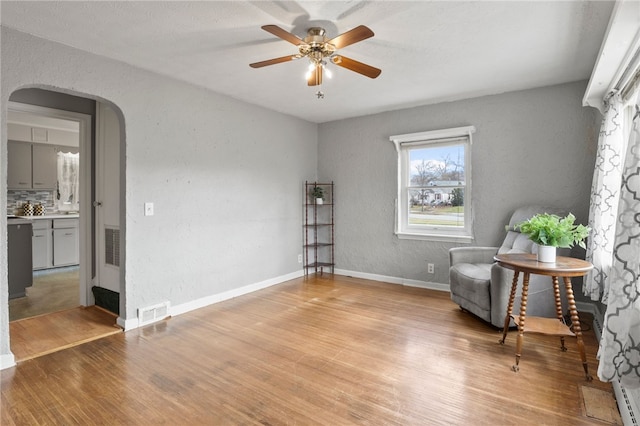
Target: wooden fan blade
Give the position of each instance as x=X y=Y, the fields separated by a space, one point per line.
x=283 y=34
x=352 y=36
x=274 y=61
x=315 y=78
x=359 y=67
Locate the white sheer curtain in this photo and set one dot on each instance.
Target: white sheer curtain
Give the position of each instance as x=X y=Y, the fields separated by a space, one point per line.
x=68 y=191
x=603 y=207
x=619 y=351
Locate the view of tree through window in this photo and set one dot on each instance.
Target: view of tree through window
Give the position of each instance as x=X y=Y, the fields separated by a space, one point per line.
x=436 y=185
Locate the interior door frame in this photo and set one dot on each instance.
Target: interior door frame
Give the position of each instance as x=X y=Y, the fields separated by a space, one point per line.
x=84 y=145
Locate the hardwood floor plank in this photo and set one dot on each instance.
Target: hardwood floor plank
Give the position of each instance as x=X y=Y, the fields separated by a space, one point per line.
x=313 y=351
x=44 y=334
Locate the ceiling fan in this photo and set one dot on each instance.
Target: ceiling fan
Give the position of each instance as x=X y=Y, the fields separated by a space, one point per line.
x=317 y=47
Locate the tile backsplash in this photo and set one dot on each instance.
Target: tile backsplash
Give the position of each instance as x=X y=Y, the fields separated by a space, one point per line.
x=17 y=197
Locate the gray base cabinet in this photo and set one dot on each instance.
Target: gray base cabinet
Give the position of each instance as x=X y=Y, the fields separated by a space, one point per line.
x=19 y=259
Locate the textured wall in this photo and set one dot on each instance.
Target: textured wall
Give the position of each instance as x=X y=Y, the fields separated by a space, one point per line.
x=534 y=146
x=225 y=176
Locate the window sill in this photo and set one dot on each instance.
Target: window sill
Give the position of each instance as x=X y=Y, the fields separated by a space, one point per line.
x=464 y=239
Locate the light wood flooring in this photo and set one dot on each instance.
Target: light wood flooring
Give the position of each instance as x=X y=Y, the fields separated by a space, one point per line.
x=52 y=290
x=315 y=351
x=48 y=333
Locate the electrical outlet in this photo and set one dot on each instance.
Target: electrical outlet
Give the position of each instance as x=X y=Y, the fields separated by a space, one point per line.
x=430 y=268
x=299 y=258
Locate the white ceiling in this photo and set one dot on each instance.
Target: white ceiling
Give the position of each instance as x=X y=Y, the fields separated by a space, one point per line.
x=429 y=51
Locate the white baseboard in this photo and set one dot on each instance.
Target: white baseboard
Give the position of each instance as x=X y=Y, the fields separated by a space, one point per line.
x=216 y=298
x=133 y=323
x=394 y=280
x=7 y=360
x=127 y=324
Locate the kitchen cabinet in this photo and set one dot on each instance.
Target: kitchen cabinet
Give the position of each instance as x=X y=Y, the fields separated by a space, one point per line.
x=19 y=257
x=44 y=166
x=42 y=244
x=19 y=166
x=55 y=242
x=65 y=242
x=33 y=166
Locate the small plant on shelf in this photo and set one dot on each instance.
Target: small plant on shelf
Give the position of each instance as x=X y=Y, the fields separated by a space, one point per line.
x=317 y=193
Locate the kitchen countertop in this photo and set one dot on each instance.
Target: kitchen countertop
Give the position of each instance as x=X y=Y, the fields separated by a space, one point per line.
x=12 y=219
x=18 y=221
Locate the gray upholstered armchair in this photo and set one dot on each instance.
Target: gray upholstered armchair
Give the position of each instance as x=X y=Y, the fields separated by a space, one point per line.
x=482 y=287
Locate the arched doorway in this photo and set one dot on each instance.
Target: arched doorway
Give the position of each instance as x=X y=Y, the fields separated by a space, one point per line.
x=100 y=139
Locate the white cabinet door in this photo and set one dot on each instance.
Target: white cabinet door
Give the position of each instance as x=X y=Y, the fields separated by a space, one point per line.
x=65 y=242
x=41 y=247
x=45 y=166
x=19 y=166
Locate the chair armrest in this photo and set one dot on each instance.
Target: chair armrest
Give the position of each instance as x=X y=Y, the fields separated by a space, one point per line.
x=472 y=255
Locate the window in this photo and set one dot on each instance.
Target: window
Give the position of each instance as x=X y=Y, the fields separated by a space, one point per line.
x=434 y=184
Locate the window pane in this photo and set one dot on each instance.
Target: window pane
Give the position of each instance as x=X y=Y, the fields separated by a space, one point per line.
x=436 y=194
x=442 y=210
x=437 y=166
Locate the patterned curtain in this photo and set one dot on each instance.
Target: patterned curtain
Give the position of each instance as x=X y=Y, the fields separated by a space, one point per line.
x=619 y=351
x=603 y=206
x=68 y=190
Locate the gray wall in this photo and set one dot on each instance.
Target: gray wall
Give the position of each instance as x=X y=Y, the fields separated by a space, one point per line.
x=225 y=176
x=534 y=146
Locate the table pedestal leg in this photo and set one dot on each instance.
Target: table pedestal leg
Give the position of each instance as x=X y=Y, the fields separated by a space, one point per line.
x=523 y=314
x=556 y=291
x=507 y=319
x=575 y=320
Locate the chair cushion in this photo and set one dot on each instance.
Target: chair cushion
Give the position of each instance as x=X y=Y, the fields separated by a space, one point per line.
x=471 y=281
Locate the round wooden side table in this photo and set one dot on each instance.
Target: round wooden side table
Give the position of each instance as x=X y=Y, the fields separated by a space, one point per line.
x=565 y=267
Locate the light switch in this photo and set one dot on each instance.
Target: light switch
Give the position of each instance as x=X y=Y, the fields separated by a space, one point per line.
x=148 y=209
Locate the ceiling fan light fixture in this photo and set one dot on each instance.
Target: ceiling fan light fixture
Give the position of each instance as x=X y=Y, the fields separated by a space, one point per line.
x=317 y=47
x=327 y=71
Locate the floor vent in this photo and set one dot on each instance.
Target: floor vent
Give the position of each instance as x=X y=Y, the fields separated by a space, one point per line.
x=153 y=313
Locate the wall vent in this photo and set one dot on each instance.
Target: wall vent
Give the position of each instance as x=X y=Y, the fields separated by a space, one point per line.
x=153 y=313
x=112 y=246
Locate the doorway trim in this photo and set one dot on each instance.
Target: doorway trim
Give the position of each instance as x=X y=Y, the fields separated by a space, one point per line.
x=84 y=121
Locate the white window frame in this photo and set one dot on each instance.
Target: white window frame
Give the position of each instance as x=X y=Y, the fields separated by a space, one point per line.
x=403 y=144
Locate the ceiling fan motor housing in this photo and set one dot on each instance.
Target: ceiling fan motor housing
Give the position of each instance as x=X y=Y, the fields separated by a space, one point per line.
x=315 y=45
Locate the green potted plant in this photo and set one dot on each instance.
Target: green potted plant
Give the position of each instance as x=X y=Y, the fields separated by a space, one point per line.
x=551 y=231
x=317 y=193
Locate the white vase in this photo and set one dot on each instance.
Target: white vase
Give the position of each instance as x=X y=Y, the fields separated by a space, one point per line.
x=318 y=200
x=546 y=254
